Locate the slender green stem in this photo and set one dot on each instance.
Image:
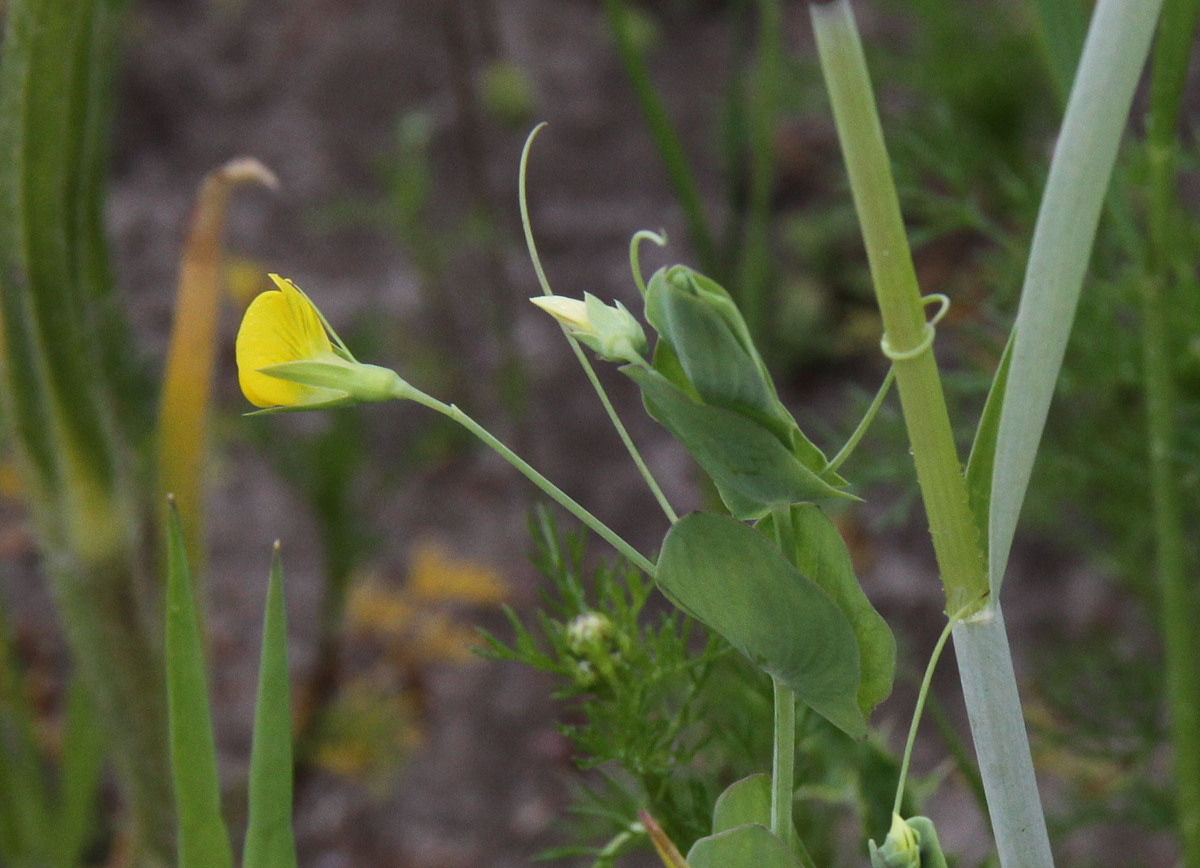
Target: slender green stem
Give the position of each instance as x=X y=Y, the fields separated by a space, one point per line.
x=558 y=495
x=783 y=762
x=1178 y=602
x=633 y=451
x=868 y=417
x=783 y=755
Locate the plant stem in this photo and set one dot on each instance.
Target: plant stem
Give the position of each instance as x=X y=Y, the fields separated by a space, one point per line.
x=1178 y=604
x=939 y=473
x=989 y=684
x=558 y=495
x=783 y=761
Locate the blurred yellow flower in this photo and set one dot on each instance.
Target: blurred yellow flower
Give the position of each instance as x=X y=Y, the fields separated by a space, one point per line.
x=287 y=361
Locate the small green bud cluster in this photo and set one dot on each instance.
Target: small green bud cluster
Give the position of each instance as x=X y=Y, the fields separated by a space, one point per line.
x=593 y=640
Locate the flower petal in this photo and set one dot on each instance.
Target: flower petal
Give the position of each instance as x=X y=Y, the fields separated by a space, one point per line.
x=279 y=326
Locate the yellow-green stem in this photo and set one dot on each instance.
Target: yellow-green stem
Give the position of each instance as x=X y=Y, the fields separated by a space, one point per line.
x=955 y=535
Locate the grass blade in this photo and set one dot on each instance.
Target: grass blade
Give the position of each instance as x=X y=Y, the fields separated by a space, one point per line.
x=82 y=763
x=269 y=839
x=1113 y=57
x=202 y=838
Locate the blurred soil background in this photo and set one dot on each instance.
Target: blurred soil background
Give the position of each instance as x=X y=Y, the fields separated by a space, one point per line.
x=395 y=128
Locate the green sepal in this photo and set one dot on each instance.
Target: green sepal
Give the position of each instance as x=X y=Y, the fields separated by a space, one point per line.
x=753 y=471
x=743 y=802
x=333 y=374
x=750 y=846
x=730 y=577
x=820 y=553
x=270 y=842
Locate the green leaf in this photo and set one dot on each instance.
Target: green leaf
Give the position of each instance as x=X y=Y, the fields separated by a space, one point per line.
x=82 y=762
x=752 y=846
x=723 y=369
x=743 y=802
x=981 y=465
x=270 y=842
x=203 y=841
x=821 y=554
x=732 y=578
x=751 y=468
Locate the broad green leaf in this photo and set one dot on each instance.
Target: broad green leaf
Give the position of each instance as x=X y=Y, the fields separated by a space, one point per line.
x=729 y=576
x=751 y=468
x=821 y=554
x=270 y=842
x=203 y=841
x=981 y=464
x=752 y=846
x=743 y=802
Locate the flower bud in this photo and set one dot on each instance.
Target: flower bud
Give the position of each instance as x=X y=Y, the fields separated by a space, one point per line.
x=611 y=331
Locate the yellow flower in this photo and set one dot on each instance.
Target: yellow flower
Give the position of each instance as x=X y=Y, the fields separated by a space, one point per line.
x=287 y=361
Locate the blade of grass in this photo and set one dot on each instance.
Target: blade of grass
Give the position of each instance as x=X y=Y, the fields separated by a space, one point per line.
x=203 y=841
x=82 y=763
x=1179 y=608
x=270 y=842
x=1113 y=56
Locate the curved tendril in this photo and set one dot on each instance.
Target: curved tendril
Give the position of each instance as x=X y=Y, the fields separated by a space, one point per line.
x=635 y=243
x=525 y=224
x=655 y=488
x=912 y=730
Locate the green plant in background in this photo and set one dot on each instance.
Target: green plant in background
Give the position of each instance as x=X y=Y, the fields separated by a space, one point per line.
x=74 y=403
x=202 y=838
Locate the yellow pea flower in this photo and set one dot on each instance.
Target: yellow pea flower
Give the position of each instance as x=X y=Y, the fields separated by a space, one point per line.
x=289 y=358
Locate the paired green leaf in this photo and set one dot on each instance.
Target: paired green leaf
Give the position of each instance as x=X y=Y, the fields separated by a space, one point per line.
x=203 y=841
x=820 y=553
x=745 y=846
x=732 y=578
x=743 y=802
x=751 y=468
x=270 y=842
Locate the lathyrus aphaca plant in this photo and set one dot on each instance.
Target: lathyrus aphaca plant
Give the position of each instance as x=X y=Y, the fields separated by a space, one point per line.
x=772 y=575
